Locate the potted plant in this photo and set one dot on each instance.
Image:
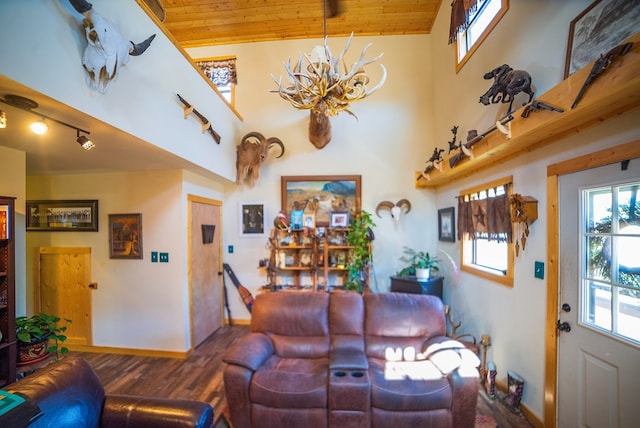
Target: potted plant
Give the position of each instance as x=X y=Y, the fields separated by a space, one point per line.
x=39 y=335
x=359 y=238
x=420 y=264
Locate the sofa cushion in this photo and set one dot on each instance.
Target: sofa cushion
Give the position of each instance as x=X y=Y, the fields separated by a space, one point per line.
x=432 y=392
x=400 y=320
x=291 y=383
x=296 y=322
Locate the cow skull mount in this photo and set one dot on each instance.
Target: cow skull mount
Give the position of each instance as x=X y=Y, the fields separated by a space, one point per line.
x=107 y=50
x=403 y=206
x=325 y=85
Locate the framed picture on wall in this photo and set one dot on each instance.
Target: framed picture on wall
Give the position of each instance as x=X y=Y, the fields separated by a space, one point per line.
x=603 y=25
x=447 y=225
x=62 y=216
x=321 y=194
x=125 y=236
x=252 y=219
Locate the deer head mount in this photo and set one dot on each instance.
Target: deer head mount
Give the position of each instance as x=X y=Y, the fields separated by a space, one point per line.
x=325 y=85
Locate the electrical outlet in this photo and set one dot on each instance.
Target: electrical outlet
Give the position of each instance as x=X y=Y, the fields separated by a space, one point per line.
x=154 y=257
x=164 y=257
x=538 y=271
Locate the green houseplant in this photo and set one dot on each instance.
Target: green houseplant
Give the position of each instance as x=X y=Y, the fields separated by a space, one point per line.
x=359 y=238
x=419 y=263
x=39 y=335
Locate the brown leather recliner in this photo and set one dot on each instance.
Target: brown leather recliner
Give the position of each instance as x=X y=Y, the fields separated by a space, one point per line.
x=346 y=360
x=69 y=394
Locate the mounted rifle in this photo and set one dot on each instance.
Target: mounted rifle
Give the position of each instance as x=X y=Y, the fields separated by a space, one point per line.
x=600 y=66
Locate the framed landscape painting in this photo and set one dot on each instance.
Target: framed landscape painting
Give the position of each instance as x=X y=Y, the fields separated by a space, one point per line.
x=321 y=194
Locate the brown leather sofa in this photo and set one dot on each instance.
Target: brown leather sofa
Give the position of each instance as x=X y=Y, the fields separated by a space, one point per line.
x=345 y=360
x=69 y=394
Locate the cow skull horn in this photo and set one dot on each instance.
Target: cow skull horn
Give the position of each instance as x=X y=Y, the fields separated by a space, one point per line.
x=139 y=48
x=387 y=205
x=81 y=6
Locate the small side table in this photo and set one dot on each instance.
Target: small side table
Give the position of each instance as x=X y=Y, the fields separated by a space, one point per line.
x=409 y=284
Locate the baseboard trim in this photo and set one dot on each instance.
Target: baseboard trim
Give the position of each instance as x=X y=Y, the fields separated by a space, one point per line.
x=531 y=417
x=237 y=322
x=129 y=351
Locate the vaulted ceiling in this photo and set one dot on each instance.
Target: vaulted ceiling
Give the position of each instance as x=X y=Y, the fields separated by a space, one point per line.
x=216 y=22
x=198 y=23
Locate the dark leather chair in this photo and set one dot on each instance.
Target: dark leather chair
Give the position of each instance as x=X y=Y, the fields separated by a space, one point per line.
x=70 y=395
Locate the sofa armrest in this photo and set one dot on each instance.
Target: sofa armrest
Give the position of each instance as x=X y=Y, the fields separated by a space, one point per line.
x=448 y=355
x=133 y=411
x=348 y=360
x=250 y=352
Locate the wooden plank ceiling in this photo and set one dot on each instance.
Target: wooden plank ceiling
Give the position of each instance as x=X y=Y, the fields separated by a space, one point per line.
x=216 y=22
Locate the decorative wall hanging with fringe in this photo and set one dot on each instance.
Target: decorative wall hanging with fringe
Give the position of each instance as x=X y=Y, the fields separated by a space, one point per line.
x=461 y=10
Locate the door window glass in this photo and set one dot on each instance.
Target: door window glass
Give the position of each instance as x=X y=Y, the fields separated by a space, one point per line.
x=610 y=273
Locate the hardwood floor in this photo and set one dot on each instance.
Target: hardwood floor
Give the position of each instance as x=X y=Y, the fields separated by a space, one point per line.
x=199 y=377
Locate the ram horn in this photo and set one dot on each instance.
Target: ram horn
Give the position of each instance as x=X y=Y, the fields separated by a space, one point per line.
x=277 y=142
x=404 y=204
x=388 y=205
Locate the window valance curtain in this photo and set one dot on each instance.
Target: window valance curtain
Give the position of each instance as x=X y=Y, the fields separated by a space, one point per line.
x=460 y=12
x=221 y=72
x=485 y=215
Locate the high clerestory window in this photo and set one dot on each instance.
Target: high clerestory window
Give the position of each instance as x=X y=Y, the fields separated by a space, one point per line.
x=485 y=231
x=471 y=23
x=222 y=73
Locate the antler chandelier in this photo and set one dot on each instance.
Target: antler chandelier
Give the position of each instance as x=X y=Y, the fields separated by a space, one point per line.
x=323 y=84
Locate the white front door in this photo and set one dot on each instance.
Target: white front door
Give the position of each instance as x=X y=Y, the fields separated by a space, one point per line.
x=599 y=298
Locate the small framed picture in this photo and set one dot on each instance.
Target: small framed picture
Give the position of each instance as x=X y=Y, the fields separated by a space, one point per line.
x=125 y=236
x=309 y=220
x=339 y=219
x=252 y=219
x=296 y=219
x=446 y=225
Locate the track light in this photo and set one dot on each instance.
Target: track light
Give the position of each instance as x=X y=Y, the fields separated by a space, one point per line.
x=84 y=141
x=39 y=127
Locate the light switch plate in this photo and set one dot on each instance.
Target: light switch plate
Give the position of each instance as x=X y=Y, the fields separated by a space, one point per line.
x=154 y=257
x=538 y=271
x=164 y=257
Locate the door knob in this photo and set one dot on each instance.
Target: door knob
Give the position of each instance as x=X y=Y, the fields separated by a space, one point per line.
x=566 y=307
x=564 y=326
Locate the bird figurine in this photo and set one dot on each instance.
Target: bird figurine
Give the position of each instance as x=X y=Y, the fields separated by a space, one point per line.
x=281 y=222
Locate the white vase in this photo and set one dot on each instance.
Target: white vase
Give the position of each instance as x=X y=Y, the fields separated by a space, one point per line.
x=423 y=274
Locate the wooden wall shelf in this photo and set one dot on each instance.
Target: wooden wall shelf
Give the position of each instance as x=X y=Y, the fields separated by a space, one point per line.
x=614 y=92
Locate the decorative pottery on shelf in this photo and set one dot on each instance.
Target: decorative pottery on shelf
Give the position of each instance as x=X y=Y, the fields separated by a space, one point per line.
x=30 y=353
